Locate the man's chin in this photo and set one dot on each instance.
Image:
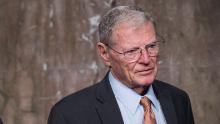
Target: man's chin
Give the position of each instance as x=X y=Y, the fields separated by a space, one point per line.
x=144 y=82
x=146 y=78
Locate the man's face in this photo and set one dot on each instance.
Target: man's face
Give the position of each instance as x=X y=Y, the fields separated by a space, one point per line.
x=137 y=73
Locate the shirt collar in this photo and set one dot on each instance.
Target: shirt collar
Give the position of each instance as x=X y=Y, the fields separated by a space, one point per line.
x=151 y=95
x=129 y=98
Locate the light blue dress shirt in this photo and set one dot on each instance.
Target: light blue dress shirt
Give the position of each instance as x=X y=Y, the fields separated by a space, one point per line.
x=129 y=103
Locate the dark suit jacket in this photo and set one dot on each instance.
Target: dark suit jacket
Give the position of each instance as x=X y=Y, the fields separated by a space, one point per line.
x=97 y=105
x=1 y=121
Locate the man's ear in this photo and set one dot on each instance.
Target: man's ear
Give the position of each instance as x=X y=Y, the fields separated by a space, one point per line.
x=102 y=50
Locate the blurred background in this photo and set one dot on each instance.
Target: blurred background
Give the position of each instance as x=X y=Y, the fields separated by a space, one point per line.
x=48 y=50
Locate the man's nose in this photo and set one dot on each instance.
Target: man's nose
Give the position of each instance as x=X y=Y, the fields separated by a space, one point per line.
x=144 y=58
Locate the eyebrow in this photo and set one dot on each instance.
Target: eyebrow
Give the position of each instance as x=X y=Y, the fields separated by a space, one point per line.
x=137 y=47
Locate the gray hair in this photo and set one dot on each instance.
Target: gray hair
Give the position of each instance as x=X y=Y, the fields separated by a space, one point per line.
x=131 y=14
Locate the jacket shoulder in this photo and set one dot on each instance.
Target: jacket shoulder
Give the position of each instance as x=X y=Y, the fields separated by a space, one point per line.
x=79 y=98
x=80 y=103
x=166 y=87
x=179 y=98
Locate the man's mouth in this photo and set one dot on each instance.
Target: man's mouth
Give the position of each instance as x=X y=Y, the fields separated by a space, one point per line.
x=145 y=71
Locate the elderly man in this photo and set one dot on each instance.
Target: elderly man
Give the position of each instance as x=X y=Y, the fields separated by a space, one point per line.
x=129 y=93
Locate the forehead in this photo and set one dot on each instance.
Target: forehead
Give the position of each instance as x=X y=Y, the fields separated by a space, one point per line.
x=128 y=35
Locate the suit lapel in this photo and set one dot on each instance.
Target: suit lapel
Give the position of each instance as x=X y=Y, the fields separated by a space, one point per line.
x=166 y=103
x=107 y=107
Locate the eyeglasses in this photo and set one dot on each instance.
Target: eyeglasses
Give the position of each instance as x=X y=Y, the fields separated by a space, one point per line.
x=134 y=54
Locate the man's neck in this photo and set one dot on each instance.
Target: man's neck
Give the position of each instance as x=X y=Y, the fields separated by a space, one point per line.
x=141 y=90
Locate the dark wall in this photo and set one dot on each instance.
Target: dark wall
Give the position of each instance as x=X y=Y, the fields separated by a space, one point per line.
x=47 y=51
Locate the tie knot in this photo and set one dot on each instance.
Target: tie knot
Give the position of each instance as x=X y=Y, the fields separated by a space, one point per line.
x=146 y=103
